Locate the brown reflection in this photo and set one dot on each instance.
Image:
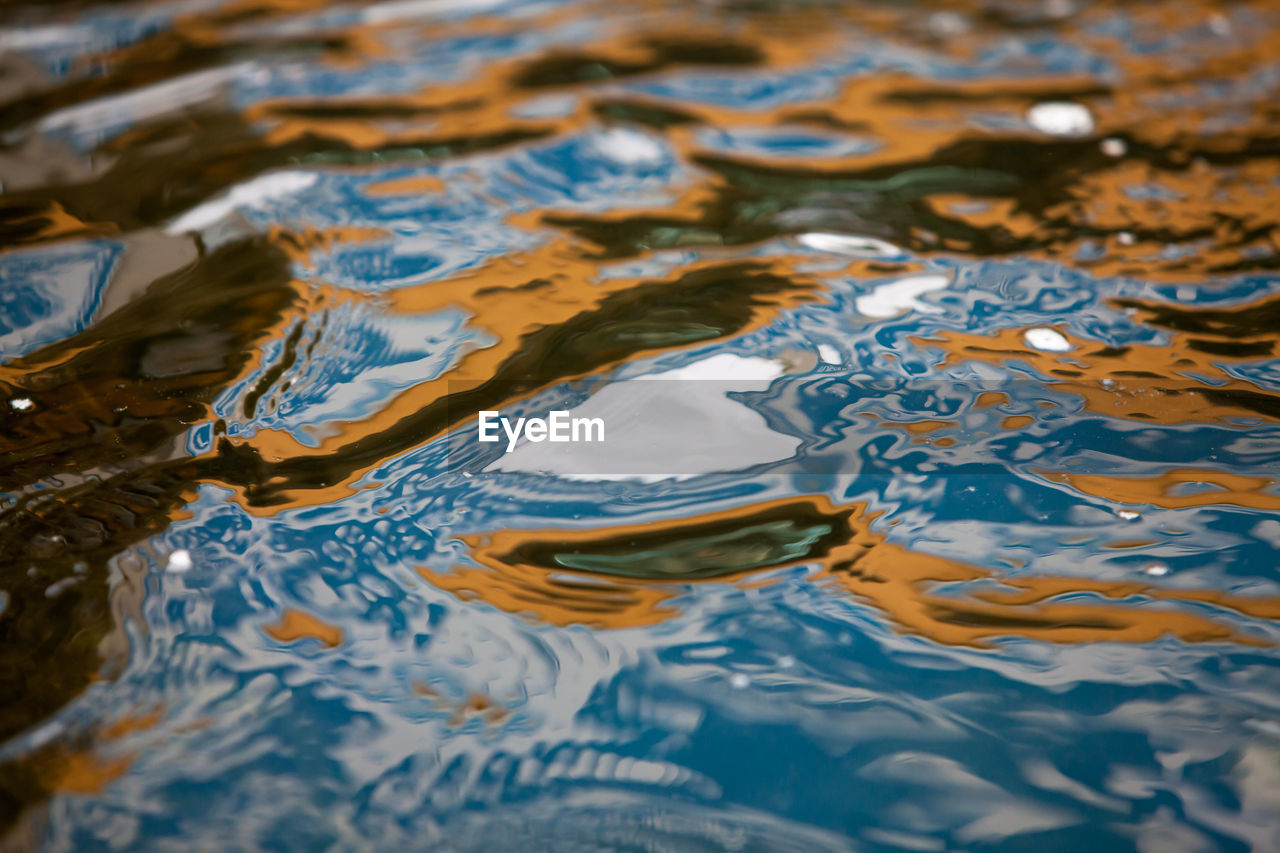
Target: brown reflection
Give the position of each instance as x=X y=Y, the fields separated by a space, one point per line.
x=625 y=577
x=96 y=465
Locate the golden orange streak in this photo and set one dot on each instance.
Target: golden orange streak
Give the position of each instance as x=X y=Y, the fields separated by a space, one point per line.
x=1138 y=375
x=297 y=625
x=85 y=773
x=410 y=186
x=59 y=225
x=66 y=771
x=1232 y=489
x=895 y=580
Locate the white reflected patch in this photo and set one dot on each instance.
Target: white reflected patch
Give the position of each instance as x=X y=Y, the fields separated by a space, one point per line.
x=665 y=430
x=899 y=297
x=399 y=10
x=251 y=194
x=1047 y=340
x=33 y=38
x=724 y=367
x=849 y=244
x=180 y=561
x=949 y=797
x=829 y=354
x=1114 y=147
x=1061 y=118
x=629 y=148
x=145 y=103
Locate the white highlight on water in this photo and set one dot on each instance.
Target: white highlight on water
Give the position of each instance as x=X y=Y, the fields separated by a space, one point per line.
x=656 y=430
x=399 y=10
x=21 y=404
x=829 y=354
x=849 y=244
x=629 y=147
x=1061 y=118
x=180 y=561
x=724 y=367
x=1113 y=147
x=253 y=193
x=1048 y=340
x=34 y=38
x=898 y=297
x=146 y=102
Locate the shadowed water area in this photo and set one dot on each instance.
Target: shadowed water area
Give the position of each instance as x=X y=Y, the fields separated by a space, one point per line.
x=975 y=308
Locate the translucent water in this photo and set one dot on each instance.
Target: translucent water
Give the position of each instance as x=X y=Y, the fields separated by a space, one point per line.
x=975 y=307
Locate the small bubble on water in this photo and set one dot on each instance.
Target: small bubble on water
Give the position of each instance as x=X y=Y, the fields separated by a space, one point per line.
x=1156 y=570
x=180 y=561
x=1128 y=514
x=1046 y=339
x=1061 y=118
x=739 y=680
x=1113 y=146
x=786 y=662
x=21 y=404
x=1126 y=238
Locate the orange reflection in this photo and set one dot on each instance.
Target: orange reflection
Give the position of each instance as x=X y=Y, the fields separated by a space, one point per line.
x=1135 y=381
x=1170 y=489
x=295 y=625
x=540 y=574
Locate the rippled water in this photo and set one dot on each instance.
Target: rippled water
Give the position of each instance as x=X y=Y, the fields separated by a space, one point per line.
x=973 y=307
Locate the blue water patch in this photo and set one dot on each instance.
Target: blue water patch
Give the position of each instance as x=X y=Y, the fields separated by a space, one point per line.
x=47 y=295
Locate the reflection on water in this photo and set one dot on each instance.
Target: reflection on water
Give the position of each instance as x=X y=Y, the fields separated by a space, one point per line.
x=1011 y=267
x=548 y=575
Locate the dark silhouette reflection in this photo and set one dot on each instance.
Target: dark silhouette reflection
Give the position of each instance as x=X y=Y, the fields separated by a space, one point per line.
x=95 y=466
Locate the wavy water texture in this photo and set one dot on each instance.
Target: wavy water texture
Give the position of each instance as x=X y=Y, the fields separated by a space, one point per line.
x=1008 y=271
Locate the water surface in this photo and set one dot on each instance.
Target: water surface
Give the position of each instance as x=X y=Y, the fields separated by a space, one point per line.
x=976 y=305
